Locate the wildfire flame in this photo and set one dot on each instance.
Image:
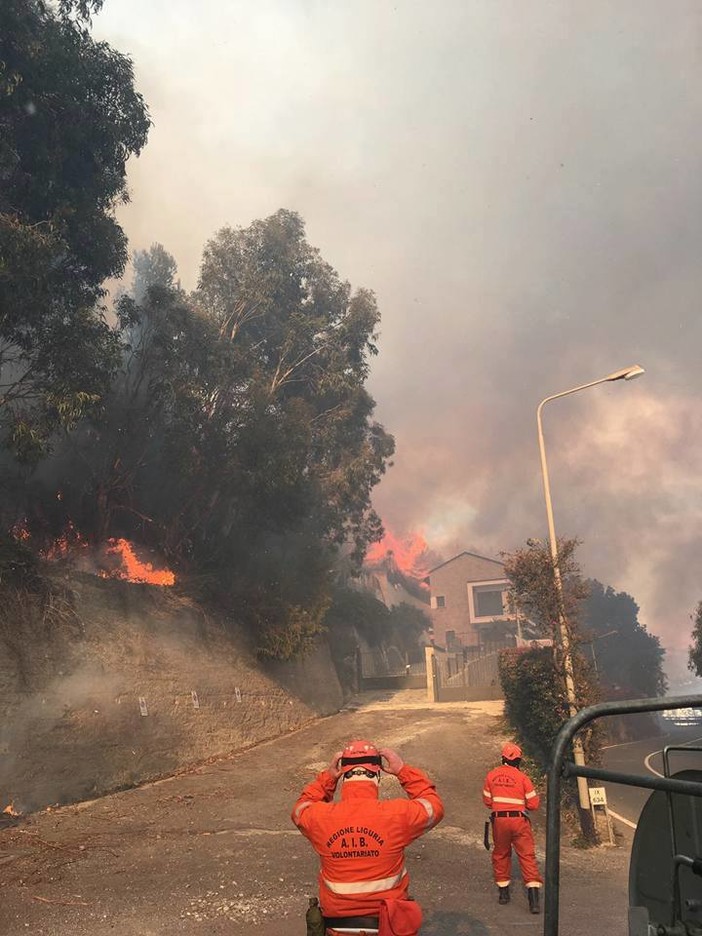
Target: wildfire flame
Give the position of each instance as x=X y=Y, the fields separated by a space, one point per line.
x=70 y=542
x=10 y=810
x=408 y=554
x=20 y=532
x=133 y=569
x=72 y=545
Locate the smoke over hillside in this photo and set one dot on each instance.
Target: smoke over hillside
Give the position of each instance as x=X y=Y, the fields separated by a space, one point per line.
x=521 y=186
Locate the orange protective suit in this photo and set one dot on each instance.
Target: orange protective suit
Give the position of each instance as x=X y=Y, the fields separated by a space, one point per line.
x=361 y=839
x=508 y=790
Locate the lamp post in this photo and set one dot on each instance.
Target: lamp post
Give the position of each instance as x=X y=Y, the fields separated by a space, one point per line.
x=627 y=373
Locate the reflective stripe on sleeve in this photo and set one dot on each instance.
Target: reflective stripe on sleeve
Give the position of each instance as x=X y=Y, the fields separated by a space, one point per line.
x=345 y=930
x=506 y=799
x=365 y=887
x=429 y=808
x=487 y=793
x=361 y=931
x=302 y=807
x=531 y=795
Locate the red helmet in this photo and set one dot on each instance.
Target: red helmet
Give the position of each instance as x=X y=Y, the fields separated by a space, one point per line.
x=511 y=751
x=360 y=754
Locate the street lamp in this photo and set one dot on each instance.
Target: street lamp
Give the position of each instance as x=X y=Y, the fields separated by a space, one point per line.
x=627 y=373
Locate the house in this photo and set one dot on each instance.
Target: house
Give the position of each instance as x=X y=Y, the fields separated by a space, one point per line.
x=468 y=602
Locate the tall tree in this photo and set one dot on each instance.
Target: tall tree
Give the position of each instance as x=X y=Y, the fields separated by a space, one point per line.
x=629 y=659
x=301 y=343
x=69 y=119
x=533 y=590
x=246 y=452
x=152 y=267
x=533 y=593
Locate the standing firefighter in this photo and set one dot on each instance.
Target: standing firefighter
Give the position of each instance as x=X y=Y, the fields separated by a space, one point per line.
x=507 y=792
x=361 y=839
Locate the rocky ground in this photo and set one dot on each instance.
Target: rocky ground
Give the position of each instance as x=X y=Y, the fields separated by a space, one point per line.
x=213 y=851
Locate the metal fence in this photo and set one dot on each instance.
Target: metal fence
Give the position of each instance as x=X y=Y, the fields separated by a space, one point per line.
x=471 y=675
x=391 y=668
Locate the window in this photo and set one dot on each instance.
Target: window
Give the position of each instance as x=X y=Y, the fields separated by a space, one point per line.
x=488 y=601
x=438 y=601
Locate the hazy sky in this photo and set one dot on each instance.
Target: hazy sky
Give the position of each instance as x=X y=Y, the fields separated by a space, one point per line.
x=521 y=184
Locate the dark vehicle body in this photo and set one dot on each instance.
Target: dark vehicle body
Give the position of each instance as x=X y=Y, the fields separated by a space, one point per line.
x=665 y=874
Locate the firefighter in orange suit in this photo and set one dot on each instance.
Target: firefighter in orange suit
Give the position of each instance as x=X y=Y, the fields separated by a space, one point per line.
x=508 y=792
x=361 y=839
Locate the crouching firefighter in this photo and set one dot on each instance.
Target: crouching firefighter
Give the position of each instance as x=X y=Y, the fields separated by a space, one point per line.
x=508 y=792
x=361 y=840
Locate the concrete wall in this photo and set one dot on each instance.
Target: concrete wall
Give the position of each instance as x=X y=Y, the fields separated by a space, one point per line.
x=71 y=722
x=415 y=681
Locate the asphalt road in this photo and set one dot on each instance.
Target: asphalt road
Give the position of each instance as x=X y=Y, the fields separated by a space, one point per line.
x=645 y=758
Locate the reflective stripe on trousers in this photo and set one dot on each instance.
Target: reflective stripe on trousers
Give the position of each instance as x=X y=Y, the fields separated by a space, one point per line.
x=365 y=887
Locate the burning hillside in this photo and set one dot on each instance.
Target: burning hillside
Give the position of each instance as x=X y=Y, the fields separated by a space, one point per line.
x=130 y=567
x=116 y=558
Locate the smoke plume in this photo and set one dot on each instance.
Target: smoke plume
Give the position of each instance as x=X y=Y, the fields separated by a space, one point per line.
x=521 y=185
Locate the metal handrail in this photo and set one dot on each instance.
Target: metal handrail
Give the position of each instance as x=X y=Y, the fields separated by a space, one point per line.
x=560 y=768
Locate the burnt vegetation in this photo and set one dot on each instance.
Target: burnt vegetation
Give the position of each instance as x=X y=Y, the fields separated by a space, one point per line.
x=229 y=429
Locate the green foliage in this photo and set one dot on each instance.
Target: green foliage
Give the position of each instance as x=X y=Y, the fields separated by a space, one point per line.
x=630 y=660
x=408 y=623
x=300 y=344
x=69 y=119
x=535 y=700
x=533 y=590
x=286 y=631
x=152 y=267
x=695 y=650
x=81 y=9
x=534 y=681
x=231 y=430
x=355 y=613
x=245 y=455
x=535 y=703
x=360 y=614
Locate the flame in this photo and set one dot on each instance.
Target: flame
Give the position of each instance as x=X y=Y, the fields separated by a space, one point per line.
x=408 y=554
x=20 y=532
x=68 y=543
x=73 y=546
x=132 y=568
x=10 y=810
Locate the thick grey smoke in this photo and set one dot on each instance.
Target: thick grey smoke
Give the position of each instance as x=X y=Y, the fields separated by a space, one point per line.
x=521 y=183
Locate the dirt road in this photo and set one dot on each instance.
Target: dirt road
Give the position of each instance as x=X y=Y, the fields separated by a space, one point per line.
x=213 y=851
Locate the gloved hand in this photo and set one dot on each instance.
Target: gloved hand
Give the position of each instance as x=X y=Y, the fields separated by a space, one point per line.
x=333 y=767
x=393 y=762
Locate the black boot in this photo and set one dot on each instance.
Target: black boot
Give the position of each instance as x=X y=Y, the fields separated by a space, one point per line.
x=533 y=895
x=503 y=894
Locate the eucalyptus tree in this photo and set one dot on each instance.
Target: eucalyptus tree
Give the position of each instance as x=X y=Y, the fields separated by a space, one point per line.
x=70 y=117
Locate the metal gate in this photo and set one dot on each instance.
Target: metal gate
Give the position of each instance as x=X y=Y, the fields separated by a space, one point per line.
x=460 y=678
